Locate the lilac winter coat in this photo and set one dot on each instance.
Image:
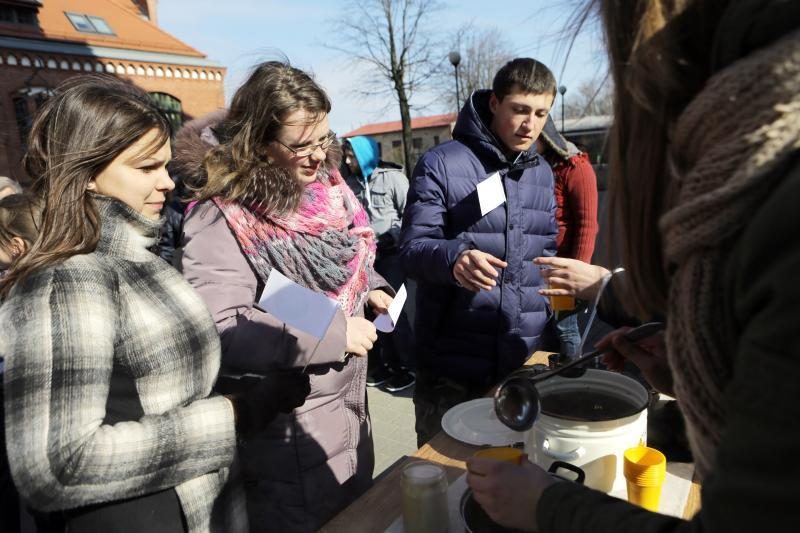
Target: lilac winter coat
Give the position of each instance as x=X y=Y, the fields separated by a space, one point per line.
x=307 y=465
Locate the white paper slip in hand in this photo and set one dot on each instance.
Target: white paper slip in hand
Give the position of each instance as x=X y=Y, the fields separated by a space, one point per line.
x=491 y=193
x=296 y=305
x=386 y=322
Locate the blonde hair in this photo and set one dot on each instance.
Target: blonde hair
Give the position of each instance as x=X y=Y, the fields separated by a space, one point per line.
x=20 y=217
x=8 y=183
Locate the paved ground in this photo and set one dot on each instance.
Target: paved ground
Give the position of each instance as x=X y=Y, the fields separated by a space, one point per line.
x=392 y=426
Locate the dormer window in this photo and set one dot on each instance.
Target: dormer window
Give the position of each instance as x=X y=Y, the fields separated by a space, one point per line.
x=89 y=24
x=18 y=15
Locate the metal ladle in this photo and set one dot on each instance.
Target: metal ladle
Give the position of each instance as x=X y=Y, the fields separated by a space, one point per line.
x=517 y=397
x=516 y=400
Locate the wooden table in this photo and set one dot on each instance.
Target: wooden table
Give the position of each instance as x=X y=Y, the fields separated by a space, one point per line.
x=376 y=509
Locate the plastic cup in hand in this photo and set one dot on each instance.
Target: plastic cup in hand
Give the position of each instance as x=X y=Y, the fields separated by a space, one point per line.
x=561 y=302
x=645 y=470
x=506 y=453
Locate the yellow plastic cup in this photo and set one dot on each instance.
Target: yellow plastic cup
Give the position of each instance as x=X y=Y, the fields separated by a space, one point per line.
x=562 y=303
x=645 y=470
x=506 y=453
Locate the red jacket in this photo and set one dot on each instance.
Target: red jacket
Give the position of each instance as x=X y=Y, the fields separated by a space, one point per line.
x=576 y=207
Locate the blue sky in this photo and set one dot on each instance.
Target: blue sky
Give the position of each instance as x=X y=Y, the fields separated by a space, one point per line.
x=240 y=33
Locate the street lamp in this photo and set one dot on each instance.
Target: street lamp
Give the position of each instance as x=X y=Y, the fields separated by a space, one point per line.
x=455 y=60
x=562 y=89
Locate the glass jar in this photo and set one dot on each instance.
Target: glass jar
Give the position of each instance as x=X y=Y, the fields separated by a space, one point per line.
x=424 y=498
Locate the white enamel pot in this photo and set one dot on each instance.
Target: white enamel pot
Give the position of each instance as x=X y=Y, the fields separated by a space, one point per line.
x=595 y=446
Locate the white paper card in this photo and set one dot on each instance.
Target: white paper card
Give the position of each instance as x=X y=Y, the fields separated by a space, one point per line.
x=491 y=193
x=386 y=322
x=296 y=305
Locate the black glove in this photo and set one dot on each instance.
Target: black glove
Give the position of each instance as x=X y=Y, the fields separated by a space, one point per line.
x=266 y=396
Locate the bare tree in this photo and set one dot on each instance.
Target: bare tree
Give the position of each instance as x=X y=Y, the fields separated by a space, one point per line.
x=592 y=97
x=392 y=39
x=482 y=52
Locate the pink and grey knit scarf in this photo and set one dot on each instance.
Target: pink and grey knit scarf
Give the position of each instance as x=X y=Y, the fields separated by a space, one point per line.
x=325 y=245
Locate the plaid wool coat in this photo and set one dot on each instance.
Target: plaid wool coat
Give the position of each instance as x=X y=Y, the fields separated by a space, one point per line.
x=110 y=360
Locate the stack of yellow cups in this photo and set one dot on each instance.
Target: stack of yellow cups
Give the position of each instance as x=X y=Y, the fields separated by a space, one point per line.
x=645 y=470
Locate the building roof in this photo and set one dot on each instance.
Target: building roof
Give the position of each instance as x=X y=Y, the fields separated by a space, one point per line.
x=418 y=123
x=131 y=30
x=589 y=122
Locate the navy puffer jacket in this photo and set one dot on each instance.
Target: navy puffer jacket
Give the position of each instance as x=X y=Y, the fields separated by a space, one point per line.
x=477 y=337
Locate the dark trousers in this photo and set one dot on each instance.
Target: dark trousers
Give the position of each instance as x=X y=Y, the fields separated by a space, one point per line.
x=433 y=397
x=569 y=335
x=563 y=334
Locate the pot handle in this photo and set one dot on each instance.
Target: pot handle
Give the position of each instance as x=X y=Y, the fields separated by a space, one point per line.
x=577 y=453
x=580 y=474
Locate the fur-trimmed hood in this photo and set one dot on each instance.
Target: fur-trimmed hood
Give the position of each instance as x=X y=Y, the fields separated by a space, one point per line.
x=553 y=139
x=192 y=143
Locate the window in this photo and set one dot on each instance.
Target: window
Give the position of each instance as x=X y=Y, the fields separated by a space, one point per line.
x=171 y=107
x=18 y=15
x=89 y=24
x=435 y=139
x=416 y=143
x=100 y=25
x=397 y=144
x=24 y=118
x=380 y=150
x=26 y=102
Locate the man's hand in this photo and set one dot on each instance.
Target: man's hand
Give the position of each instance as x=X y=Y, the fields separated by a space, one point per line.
x=475 y=270
x=571 y=277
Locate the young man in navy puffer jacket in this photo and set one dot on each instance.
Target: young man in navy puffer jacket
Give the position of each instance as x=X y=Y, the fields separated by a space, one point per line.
x=479 y=313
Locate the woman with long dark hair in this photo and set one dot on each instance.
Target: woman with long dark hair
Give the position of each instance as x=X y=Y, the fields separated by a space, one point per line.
x=110 y=355
x=705 y=163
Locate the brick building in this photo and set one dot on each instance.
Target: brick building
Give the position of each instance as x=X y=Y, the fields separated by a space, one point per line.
x=426 y=132
x=44 y=42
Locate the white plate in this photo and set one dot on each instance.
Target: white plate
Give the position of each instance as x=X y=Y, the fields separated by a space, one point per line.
x=475 y=422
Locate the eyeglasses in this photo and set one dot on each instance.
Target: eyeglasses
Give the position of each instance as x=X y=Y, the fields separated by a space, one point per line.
x=305 y=151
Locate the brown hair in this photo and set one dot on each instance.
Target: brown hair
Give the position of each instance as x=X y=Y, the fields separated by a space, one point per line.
x=236 y=169
x=660 y=58
x=20 y=216
x=527 y=74
x=75 y=135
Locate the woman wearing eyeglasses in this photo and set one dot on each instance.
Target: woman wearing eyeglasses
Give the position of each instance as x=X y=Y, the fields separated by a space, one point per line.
x=270 y=196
